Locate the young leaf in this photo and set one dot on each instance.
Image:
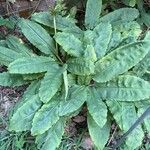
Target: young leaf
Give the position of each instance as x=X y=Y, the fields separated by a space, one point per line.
x=11 y=80
x=96 y=107
x=125 y=115
x=22 y=118
x=77 y=95
x=47 y=116
x=17 y=45
x=8 y=55
x=99 y=135
x=81 y=66
x=123 y=58
x=29 y=65
x=125 y=88
x=71 y=44
x=51 y=139
x=37 y=35
x=92 y=14
x=124 y=14
x=50 y=84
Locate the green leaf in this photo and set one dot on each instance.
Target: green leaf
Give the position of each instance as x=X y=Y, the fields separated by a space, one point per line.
x=125 y=116
x=131 y=3
x=145 y=18
x=102 y=38
x=37 y=35
x=17 y=45
x=31 y=90
x=70 y=44
x=22 y=118
x=62 y=23
x=33 y=76
x=77 y=95
x=8 y=55
x=92 y=14
x=124 y=33
x=125 y=88
x=142 y=106
x=99 y=135
x=50 y=84
x=81 y=66
x=122 y=58
x=11 y=80
x=51 y=139
x=47 y=116
x=124 y=14
x=29 y=65
x=96 y=107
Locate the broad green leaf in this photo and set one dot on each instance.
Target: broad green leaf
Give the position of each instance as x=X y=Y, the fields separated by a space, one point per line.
x=125 y=116
x=81 y=66
x=96 y=107
x=46 y=117
x=11 y=80
x=124 y=33
x=22 y=118
x=17 y=45
x=51 y=139
x=84 y=80
x=102 y=38
x=71 y=44
x=77 y=95
x=37 y=35
x=29 y=65
x=62 y=23
x=50 y=84
x=122 y=58
x=124 y=14
x=92 y=14
x=125 y=88
x=8 y=55
x=99 y=135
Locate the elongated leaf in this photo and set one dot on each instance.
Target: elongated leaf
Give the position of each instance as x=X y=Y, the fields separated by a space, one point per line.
x=62 y=23
x=142 y=106
x=77 y=95
x=124 y=33
x=30 y=65
x=47 y=116
x=37 y=35
x=33 y=76
x=11 y=80
x=97 y=107
x=17 y=45
x=22 y=119
x=70 y=44
x=81 y=66
x=102 y=38
x=125 y=115
x=50 y=84
x=31 y=90
x=124 y=14
x=122 y=58
x=7 y=56
x=125 y=88
x=51 y=139
x=99 y=135
x=66 y=84
x=92 y=14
